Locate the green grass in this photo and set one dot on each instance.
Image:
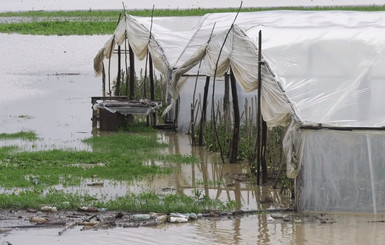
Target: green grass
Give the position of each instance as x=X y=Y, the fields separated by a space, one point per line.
x=174 y=12
x=60 y=28
x=95 y=22
x=143 y=203
x=123 y=155
x=24 y=135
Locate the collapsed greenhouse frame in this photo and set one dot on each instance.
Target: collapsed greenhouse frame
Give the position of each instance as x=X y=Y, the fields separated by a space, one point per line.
x=322 y=78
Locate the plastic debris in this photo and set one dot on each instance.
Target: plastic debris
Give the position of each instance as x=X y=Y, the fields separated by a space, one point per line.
x=48 y=209
x=179 y=215
x=161 y=219
x=269 y=218
x=192 y=216
x=138 y=217
x=277 y=215
x=178 y=219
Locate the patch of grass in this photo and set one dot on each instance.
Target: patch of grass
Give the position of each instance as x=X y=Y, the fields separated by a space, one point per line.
x=176 y=12
x=30 y=174
x=24 y=135
x=151 y=202
x=59 y=28
x=123 y=155
x=144 y=203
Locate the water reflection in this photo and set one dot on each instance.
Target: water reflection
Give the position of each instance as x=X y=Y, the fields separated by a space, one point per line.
x=253 y=229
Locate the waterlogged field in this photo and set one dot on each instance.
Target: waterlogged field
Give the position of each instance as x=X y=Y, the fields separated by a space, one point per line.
x=50 y=156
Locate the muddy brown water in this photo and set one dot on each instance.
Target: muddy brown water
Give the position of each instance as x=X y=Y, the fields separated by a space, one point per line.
x=46 y=85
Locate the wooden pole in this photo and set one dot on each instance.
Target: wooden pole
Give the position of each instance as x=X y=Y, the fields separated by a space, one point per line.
x=117 y=91
x=226 y=97
x=258 y=147
x=204 y=109
x=132 y=72
x=235 y=141
x=125 y=62
x=103 y=81
x=152 y=87
x=263 y=153
x=109 y=65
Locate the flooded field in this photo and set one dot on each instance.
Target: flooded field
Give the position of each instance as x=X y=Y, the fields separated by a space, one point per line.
x=27 y=5
x=46 y=85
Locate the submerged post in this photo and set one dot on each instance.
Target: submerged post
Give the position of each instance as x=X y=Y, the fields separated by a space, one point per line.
x=132 y=72
x=235 y=141
x=204 y=109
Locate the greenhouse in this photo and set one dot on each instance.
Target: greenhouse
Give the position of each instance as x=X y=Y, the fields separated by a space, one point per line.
x=321 y=76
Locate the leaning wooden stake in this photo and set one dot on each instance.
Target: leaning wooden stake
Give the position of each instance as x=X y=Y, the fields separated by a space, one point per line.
x=235 y=141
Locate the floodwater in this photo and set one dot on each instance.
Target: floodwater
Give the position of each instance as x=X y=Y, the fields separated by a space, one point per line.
x=46 y=86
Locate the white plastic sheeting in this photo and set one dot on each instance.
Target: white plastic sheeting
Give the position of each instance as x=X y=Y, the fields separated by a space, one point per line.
x=322 y=69
x=342 y=171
